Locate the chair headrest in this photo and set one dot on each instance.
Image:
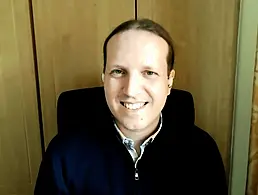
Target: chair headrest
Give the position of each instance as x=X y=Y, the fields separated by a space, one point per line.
x=76 y=106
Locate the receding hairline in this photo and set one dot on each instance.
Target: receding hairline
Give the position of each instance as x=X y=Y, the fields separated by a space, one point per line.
x=141 y=31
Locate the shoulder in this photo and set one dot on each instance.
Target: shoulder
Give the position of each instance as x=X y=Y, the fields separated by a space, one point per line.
x=186 y=134
x=72 y=144
x=204 y=148
x=191 y=139
x=202 y=138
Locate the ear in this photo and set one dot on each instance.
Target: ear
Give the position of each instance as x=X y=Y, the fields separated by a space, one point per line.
x=103 y=77
x=170 y=80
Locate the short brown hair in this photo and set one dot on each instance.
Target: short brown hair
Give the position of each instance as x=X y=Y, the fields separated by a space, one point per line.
x=145 y=25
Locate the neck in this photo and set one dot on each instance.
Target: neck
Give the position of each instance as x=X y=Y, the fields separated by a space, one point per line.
x=139 y=135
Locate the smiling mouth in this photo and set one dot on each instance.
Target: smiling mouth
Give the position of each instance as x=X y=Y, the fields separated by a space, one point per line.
x=133 y=106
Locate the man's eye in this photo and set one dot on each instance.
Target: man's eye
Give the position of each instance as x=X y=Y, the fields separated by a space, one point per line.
x=149 y=73
x=117 y=72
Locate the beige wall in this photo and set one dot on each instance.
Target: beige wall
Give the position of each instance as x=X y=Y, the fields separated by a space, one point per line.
x=20 y=147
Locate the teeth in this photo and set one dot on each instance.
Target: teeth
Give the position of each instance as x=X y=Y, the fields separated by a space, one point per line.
x=133 y=106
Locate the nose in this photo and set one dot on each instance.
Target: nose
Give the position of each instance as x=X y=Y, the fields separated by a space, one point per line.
x=132 y=85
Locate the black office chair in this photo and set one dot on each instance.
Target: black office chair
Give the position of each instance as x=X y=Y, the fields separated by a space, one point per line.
x=76 y=106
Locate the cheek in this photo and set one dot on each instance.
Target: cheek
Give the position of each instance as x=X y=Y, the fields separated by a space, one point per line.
x=158 y=88
x=112 y=83
x=112 y=88
x=159 y=94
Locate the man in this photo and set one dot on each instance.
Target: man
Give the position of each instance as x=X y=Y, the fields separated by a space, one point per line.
x=135 y=150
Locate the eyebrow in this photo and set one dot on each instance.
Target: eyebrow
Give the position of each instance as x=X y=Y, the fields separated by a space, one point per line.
x=148 y=67
x=118 y=66
x=122 y=67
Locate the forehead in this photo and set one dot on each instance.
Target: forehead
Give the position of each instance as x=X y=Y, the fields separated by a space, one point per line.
x=137 y=44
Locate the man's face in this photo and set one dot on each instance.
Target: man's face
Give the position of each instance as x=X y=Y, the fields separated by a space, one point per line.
x=136 y=80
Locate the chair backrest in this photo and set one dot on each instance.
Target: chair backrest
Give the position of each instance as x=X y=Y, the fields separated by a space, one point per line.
x=76 y=106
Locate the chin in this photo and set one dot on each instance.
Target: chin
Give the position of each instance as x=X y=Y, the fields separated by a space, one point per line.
x=133 y=125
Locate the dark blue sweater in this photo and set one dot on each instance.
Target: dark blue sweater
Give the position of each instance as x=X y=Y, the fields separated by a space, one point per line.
x=183 y=159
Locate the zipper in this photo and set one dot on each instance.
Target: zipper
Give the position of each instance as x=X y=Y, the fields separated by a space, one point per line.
x=136 y=172
x=136 y=175
x=136 y=180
